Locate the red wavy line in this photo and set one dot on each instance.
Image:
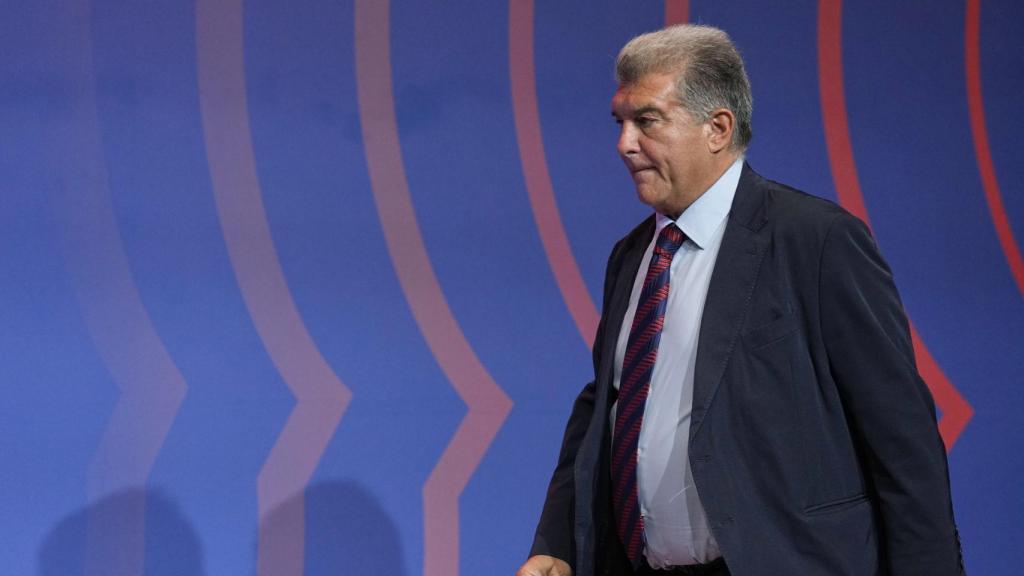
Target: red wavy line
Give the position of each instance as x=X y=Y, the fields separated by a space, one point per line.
x=956 y=412
x=982 y=151
x=487 y=404
x=539 y=189
x=150 y=384
x=535 y=171
x=677 y=12
x=321 y=398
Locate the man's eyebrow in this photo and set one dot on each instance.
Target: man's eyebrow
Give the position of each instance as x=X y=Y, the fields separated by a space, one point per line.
x=640 y=112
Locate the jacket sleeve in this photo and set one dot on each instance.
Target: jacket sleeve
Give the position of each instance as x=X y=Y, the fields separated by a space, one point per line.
x=554 y=536
x=890 y=409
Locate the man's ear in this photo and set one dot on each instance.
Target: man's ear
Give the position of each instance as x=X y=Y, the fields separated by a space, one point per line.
x=719 y=129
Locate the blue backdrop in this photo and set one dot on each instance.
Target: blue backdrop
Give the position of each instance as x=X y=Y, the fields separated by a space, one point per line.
x=308 y=287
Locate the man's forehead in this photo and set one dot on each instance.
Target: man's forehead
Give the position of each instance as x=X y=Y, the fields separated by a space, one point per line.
x=655 y=94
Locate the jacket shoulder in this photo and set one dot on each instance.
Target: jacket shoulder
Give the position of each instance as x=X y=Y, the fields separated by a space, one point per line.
x=789 y=205
x=796 y=214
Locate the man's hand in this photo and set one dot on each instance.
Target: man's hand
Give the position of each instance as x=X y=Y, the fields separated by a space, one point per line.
x=544 y=566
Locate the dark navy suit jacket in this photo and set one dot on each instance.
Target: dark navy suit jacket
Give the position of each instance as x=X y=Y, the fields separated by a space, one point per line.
x=813 y=438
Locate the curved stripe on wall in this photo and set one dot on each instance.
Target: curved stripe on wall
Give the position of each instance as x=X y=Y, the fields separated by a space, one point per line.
x=321 y=397
x=982 y=150
x=150 y=385
x=529 y=136
x=956 y=412
x=677 y=12
x=487 y=404
x=543 y=204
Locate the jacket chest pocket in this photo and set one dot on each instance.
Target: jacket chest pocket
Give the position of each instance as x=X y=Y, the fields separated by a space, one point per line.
x=767 y=334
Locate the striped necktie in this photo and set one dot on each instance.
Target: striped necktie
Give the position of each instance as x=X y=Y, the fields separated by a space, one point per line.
x=634 y=383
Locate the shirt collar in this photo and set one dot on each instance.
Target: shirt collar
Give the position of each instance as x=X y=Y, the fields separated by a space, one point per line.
x=702 y=218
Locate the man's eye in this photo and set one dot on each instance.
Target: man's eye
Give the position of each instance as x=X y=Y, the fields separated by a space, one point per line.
x=644 y=121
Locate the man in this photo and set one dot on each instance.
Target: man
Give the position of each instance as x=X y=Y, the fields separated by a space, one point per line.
x=756 y=409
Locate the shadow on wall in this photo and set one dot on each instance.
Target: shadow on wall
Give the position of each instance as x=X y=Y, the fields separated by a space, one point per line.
x=105 y=534
x=347 y=531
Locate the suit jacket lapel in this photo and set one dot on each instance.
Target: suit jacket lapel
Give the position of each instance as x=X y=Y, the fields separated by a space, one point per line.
x=732 y=283
x=633 y=253
x=624 y=267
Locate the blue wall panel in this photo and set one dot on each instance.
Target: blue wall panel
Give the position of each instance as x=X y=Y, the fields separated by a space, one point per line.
x=146 y=387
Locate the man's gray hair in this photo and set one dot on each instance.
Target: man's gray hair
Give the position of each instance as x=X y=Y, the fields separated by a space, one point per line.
x=710 y=69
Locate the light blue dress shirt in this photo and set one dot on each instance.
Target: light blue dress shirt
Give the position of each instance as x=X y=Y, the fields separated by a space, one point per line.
x=675 y=525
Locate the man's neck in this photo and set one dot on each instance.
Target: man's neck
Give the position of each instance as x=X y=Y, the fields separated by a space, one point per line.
x=720 y=163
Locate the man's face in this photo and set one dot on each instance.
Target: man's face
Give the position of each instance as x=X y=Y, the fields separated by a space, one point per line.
x=664 y=148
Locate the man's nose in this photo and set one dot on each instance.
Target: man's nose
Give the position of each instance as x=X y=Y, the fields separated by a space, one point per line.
x=627 y=140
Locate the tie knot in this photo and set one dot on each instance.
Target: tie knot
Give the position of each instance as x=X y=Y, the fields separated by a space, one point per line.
x=670 y=239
